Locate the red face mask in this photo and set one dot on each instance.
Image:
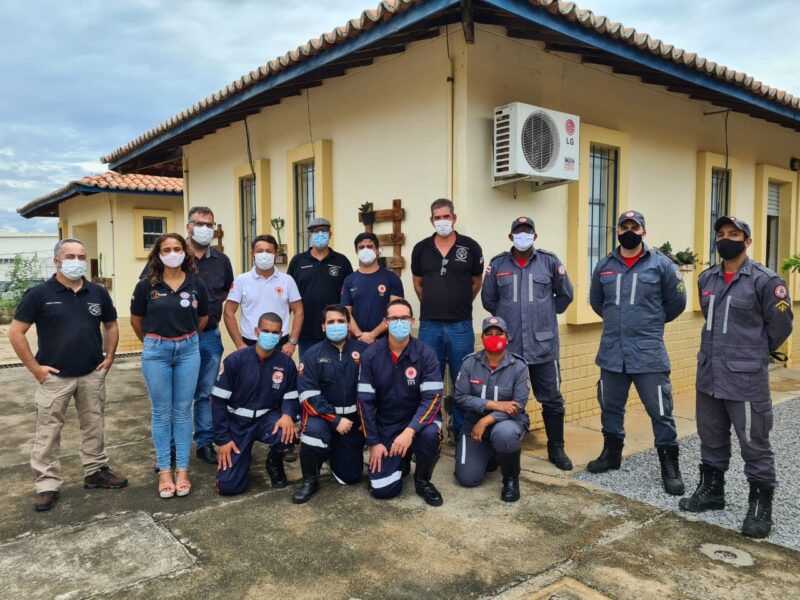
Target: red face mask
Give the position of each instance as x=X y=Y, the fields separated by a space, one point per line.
x=494 y=343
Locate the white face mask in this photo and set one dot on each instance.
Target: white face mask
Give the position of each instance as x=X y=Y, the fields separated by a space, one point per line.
x=264 y=260
x=367 y=256
x=443 y=227
x=523 y=241
x=173 y=259
x=73 y=269
x=203 y=235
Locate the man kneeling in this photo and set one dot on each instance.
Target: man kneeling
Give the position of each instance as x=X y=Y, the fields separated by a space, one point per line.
x=492 y=389
x=254 y=399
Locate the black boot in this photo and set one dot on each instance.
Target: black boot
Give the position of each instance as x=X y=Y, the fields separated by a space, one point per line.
x=710 y=492
x=554 y=426
x=610 y=457
x=406 y=469
x=670 y=470
x=275 y=470
x=509 y=467
x=758 y=522
x=422 y=481
x=310 y=467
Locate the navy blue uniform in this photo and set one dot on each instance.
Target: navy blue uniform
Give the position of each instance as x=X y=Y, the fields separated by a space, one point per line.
x=249 y=397
x=393 y=396
x=369 y=295
x=327 y=385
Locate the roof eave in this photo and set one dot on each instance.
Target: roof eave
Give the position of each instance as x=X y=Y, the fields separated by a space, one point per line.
x=71 y=191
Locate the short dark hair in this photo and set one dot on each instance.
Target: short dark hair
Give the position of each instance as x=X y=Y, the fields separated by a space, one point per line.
x=264 y=237
x=203 y=210
x=339 y=308
x=443 y=203
x=367 y=235
x=271 y=317
x=402 y=301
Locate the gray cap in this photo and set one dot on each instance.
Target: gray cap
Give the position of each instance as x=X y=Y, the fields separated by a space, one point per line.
x=318 y=222
x=494 y=322
x=631 y=215
x=523 y=221
x=738 y=223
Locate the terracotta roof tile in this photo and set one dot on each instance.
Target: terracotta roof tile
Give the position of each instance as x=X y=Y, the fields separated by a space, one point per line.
x=389 y=8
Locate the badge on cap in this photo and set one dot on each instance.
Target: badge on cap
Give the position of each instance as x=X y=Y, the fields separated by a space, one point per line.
x=522 y=220
x=781 y=291
x=411 y=373
x=630 y=213
x=493 y=320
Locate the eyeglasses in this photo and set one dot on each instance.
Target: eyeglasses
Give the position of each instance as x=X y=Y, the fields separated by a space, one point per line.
x=399 y=319
x=443 y=270
x=203 y=223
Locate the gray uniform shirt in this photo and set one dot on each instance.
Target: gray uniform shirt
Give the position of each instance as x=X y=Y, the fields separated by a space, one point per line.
x=476 y=384
x=528 y=299
x=635 y=304
x=745 y=321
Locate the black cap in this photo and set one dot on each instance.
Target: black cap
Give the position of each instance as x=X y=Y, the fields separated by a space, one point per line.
x=523 y=221
x=494 y=322
x=631 y=215
x=738 y=223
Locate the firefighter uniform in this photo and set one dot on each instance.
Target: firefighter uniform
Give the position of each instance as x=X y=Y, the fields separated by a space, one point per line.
x=327 y=385
x=249 y=397
x=393 y=395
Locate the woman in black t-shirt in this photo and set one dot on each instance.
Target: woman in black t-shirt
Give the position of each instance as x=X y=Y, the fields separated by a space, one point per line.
x=168 y=309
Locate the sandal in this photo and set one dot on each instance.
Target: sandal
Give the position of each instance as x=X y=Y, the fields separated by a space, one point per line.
x=166 y=489
x=183 y=486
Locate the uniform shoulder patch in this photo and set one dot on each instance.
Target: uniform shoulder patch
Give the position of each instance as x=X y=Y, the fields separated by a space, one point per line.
x=781 y=291
x=501 y=255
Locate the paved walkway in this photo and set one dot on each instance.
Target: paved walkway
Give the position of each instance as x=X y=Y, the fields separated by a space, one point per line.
x=564 y=539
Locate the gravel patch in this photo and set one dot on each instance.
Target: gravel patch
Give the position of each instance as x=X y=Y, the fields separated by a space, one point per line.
x=640 y=479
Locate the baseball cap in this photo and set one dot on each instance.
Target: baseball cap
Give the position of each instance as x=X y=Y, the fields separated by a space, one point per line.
x=631 y=215
x=738 y=223
x=494 y=322
x=523 y=221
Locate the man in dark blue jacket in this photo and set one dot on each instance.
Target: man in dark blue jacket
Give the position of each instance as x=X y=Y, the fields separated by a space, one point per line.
x=636 y=290
x=327 y=385
x=254 y=399
x=399 y=400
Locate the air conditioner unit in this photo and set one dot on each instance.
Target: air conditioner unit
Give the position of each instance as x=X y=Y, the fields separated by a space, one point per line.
x=535 y=144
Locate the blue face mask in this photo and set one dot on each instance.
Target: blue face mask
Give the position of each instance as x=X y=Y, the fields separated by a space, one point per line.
x=336 y=332
x=399 y=330
x=268 y=341
x=320 y=239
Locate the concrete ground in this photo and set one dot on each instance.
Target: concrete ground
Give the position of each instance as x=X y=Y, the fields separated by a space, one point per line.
x=564 y=539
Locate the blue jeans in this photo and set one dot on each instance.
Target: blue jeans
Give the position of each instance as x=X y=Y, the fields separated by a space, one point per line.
x=170 y=371
x=451 y=342
x=210 y=357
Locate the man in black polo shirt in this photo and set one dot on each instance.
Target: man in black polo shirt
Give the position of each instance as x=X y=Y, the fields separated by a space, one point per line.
x=319 y=273
x=67 y=311
x=447 y=270
x=214 y=269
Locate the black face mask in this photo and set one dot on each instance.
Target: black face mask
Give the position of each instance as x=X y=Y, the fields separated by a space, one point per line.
x=730 y=249
x=629 y=240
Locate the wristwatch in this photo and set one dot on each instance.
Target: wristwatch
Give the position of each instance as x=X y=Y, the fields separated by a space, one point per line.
x=293 y=341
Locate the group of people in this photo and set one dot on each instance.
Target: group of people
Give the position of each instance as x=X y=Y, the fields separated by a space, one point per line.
x=361 y=380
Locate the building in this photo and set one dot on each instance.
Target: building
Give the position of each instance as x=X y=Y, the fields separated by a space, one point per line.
x=27 y=245
x=399 y=103
x=118 y=217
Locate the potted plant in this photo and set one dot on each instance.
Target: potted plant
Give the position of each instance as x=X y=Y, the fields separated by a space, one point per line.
x=366 y=213
x=278 y=224
x=685 y=259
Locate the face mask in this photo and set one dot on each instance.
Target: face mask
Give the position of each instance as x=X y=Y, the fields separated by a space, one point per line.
x=336 y=332
x=523 y=241
x=173 y=259
x=367 y=256
x=268 y=341
x=494 y=343
x=203 y=235
x=629 y=240
x=399 y=330
x=264 y=260
x=319 y=239
x=730 y=249
x=73 y=269
x=443 y=228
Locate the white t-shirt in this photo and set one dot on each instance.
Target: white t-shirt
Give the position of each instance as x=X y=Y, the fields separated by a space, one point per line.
x=257 y=295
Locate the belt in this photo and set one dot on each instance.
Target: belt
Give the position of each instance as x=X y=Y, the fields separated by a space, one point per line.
x=180 y=338
x=345 y=410
x=246 y=412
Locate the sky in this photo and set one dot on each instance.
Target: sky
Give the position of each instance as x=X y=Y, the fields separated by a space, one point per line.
x=80 y=79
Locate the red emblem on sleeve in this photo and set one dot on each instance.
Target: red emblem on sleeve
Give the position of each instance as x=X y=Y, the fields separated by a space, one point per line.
x=781 y=291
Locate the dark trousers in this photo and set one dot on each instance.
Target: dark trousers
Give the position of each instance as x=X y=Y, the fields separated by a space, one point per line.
x=546 y=384
x=473 y=457
x=388 y=482
x=654 y=389
x=233 y=480
x=752 y=422
x=344 y=452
